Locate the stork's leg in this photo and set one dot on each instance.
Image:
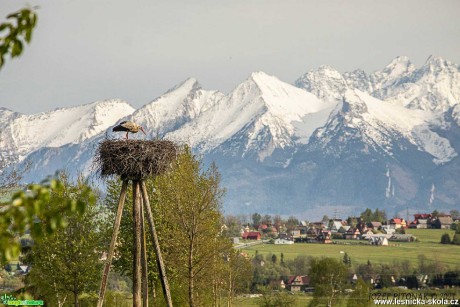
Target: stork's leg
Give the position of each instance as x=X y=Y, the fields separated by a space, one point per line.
x=126 y=134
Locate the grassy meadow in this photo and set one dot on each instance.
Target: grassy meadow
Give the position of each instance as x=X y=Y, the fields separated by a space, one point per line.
x=427 y=244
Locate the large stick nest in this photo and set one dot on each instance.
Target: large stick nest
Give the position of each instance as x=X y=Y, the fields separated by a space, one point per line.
x=134 y=159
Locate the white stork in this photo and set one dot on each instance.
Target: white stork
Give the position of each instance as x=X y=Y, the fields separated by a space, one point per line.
x=128 y=127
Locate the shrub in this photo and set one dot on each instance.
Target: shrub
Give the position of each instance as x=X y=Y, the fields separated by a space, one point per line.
x=445 y=239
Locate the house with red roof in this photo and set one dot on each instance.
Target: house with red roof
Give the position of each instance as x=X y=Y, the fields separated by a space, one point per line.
x=298 y=283
x=397 y=223
x=251 y=235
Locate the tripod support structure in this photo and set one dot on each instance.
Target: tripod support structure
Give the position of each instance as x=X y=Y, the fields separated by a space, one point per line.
x=141 y=209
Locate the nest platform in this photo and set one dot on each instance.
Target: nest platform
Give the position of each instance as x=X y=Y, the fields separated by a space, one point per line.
x=134 y=159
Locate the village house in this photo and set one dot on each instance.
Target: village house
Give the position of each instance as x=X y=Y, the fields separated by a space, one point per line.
x=374 y=225
x=317 y=225
x=295 y=233
x=277 y=284
x=444 y=222
x=324 y=236
x=312 y=234
x=420 y=224
x=352 y=234
x=251 y=235
x=397 y=223
x=335 y=225
x=285 y=239
x=361 y=227
x=421 y=221
x=298 y=283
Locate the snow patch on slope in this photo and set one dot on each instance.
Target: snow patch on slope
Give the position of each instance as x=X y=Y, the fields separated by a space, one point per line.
x=413 y=124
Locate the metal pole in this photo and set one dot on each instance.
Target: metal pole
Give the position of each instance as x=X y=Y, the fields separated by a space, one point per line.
x=156 y=245
x=116 y=228
x=137 y=302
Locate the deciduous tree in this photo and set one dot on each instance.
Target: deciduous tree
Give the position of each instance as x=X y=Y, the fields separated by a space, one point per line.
x=187 y=203
x=67 y=261
x=328 y=277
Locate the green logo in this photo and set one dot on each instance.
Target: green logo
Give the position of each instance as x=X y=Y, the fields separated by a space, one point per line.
x=10 y=300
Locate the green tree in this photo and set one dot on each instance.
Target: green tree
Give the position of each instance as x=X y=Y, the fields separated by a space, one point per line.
x=29 y=207
x=234 y=226
x=455 y=214
x=188 y=205
x=328 y=277
x=445 y=239
x=238 y=274
x=456 y=238
x=360 y=295
x=292 y=223
x=17 y=31
x=346 y=260
x=299 y=265
x=67 y=261
x=256 y=219
x=266 y=219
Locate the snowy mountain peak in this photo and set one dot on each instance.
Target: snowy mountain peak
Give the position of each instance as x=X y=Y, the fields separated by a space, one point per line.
x=438 y=65
x=433 y=87
x=176 y=107
x=336 y=140
x=400 y=67
x=187 y=85
x=325 y=83
x=26 y=133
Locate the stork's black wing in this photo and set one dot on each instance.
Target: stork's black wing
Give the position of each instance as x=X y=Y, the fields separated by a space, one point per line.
x=120 y=127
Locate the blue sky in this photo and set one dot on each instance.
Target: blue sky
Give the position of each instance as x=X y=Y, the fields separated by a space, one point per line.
x=88 y=50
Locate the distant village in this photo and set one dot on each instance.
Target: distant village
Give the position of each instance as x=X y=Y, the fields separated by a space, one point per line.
x=376 y=232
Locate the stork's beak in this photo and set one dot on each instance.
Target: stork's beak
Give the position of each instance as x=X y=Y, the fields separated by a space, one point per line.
x=142 y=129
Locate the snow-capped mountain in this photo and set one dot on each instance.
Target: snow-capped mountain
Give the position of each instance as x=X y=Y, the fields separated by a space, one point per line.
x=22 y=134
x=350 y=140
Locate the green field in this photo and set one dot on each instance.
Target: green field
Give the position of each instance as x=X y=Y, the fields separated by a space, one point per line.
x=428 y=245
x=301 y=300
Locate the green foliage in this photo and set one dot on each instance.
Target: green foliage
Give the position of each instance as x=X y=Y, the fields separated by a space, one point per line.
x=18 y=31
x=300 y=265
x=187 y=201
x=66 y=261
x=30 y=210
x=186 y=207
x=360 y=295
x=456 y=238
x=445 y=239
x=376 y=216
x=346 y=260
x=266 y=271
x=277 y=299
x=292 y=223
x=256 y=220
x=328 y=277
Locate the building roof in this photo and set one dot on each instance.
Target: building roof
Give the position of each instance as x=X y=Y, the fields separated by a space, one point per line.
x=446 y=219
x=299 y=280
x=251 y=234
x=375 y=224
